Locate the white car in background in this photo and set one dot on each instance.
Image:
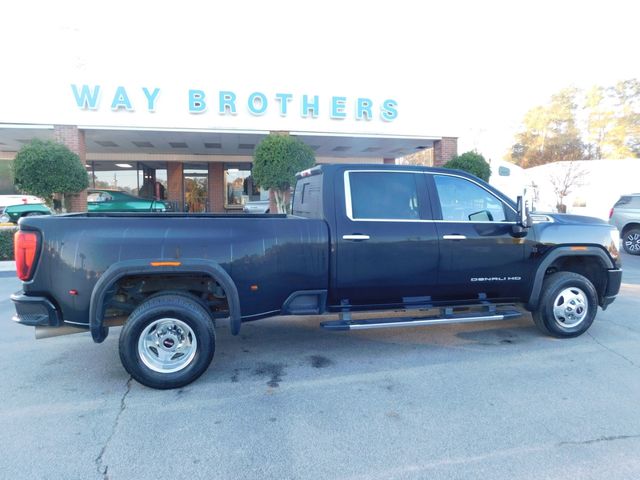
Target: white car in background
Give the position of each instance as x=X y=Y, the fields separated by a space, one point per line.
x=257 y=206
x=6 y=200
x=510 y=179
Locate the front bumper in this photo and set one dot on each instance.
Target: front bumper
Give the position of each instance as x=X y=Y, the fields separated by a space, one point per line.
x=35 y=311
x=614 y=280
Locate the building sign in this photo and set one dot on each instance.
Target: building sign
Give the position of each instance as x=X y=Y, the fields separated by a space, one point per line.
x=230 y=103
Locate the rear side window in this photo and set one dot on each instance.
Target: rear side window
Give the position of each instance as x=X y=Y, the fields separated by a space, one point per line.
x=307 y=201
x=382 y=196
x=625 y=200
x=463 y=201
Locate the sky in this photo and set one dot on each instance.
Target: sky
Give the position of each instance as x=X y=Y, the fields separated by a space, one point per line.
x=461 y=68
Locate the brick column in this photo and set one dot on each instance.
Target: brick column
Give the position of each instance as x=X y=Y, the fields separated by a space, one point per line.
x=73 y=138
x=217 y=188
x=444 y=150
x=175 y=184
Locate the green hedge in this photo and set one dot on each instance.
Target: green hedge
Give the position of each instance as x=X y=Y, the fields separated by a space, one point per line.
x=6 y=243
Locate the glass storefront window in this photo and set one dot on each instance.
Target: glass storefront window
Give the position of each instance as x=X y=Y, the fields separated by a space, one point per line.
x=136 y=178
x=152 y=179
x=239 y=185
x=120 y=179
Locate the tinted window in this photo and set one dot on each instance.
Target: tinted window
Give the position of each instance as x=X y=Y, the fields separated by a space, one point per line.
x=384 y=196
x=622 y=201
x=307 y=201
x=463 y=200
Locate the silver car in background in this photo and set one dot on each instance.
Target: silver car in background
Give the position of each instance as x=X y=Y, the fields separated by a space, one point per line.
x=258 y=206
x=625 y=215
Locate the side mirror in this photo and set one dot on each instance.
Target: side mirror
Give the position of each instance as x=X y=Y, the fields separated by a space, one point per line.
x=524 y=220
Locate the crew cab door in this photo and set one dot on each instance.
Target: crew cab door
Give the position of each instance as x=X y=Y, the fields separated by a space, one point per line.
x=479 y=253
x=386 y=242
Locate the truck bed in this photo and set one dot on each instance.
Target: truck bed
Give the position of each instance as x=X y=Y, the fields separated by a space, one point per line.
x=256 y=251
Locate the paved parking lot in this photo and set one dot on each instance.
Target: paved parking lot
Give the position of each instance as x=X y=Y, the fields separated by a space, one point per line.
x=288 y=400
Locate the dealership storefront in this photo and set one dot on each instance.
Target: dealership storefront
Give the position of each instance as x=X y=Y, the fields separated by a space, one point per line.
x=195 y=147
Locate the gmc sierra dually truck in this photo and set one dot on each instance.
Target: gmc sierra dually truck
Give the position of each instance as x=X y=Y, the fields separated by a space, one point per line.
x=440 y=244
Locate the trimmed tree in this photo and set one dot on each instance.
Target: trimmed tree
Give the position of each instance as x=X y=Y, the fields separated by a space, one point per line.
x=471 y=162
x=47 y=168
x=276 y=161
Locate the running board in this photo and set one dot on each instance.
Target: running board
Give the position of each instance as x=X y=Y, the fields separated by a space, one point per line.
x=420 y=321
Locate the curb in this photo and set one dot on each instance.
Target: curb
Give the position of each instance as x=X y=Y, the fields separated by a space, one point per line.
x=9 y=266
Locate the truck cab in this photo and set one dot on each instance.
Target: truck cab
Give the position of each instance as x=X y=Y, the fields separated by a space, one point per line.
x=401 y=232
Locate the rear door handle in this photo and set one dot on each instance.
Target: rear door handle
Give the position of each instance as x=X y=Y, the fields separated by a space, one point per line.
x=454 y=237
x=356 y=237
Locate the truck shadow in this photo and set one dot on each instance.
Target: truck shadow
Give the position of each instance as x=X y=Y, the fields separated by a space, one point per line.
x=271 y=352
x=272 y=349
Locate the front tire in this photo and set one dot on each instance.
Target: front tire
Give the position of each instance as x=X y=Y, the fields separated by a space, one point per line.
x=167 y=342
x=568 y=305
x=631 y=241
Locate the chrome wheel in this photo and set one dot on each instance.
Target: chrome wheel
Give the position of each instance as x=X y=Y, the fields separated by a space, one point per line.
x=632 y=242
x=570 y=307
x=167 y=345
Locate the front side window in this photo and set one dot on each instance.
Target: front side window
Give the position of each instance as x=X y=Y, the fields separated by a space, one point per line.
x=463 y=201
x=383 y=196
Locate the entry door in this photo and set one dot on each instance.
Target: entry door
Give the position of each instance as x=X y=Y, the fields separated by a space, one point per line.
x=478 y=251
x=196 y=185
x=387 y=246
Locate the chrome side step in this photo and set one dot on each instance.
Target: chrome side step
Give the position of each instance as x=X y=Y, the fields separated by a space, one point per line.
x=468 y=317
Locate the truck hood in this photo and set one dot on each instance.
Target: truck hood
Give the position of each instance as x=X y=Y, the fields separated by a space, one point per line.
x=567 y=229
x=567 y=218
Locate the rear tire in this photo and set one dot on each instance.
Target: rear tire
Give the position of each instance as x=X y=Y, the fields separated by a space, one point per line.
x=568 y=305
x=631 y=241
x=167 y=342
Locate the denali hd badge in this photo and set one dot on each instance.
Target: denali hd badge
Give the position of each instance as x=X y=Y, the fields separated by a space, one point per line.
x=496 y=279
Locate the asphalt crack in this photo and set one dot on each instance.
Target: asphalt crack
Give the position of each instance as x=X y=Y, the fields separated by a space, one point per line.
x=104 y=469
x=600 y=439
x=611 y=350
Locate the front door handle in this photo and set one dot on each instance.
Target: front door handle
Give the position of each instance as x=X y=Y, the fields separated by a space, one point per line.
x=454 y=237
x=355 y=237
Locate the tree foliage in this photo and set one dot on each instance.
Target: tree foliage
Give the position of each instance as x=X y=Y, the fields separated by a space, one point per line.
x=550 y=132
x=471 y=162
x=625 y=132
x=45 y=168
x=277 y=159
x=603 y=122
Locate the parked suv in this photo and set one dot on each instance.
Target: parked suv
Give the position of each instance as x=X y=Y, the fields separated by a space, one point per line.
x=625 y=215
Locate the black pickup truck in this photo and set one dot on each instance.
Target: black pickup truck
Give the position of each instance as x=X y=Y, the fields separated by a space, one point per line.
x=439 y=243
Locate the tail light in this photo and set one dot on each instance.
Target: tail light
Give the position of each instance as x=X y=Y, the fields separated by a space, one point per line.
x=25 y=248
x=611 y=213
